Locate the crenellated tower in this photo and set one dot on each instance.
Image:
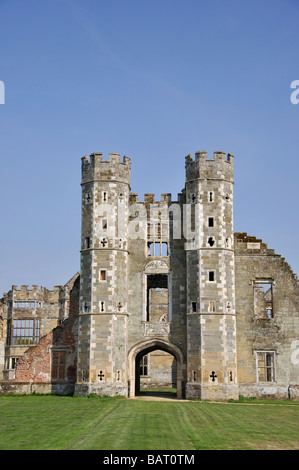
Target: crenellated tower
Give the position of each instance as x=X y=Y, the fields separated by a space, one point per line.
x=102 y=335
x=211 y=322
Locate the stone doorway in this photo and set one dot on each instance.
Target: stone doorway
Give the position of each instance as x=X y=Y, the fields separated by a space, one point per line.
x=142 y=349
x=155 y=373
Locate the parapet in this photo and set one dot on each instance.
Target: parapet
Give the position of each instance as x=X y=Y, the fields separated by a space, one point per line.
x=34 y=292
x=150 y=198
x=113 y=169
x=221 y=166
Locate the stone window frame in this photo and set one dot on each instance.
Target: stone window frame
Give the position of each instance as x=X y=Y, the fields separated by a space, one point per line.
x=158 y=237
x=193 y=198
x=211 y=222
x=271 y=282
x=156 y=267
x=104 y=270
x=142 y=365
x=86 y=306
x=87 y=243
x=88 y=197
x=272 y=368
x=10 y=362
x=211 y=242
x=105 y=196
x=158 y=248
x=211 y=196
x=24 y=334
x=19 y=304
x=104 y=225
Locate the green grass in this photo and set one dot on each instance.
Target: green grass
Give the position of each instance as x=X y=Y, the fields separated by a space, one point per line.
x=77 y=423
x=158 y=389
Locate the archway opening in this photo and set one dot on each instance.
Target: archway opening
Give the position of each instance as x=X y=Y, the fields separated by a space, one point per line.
x=145 y=347
x=156 y=373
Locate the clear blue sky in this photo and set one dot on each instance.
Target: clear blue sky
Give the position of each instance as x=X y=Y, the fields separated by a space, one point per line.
x=153 y=80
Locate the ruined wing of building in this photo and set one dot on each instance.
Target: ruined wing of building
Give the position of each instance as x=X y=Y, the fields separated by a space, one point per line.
x=167 y=294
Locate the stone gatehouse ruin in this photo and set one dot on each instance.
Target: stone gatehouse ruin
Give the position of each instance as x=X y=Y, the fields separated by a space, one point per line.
x=167 y=294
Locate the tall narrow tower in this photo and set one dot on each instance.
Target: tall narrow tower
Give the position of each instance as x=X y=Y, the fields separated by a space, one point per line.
x=211 y=321
x=102 y=335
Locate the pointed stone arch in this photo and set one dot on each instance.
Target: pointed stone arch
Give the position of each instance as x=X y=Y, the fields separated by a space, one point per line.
x=148 y=346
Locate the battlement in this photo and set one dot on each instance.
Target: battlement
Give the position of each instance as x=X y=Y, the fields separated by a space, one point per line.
x=26 y=289
x=95 y=168
x=113 y=157
x=34 y=292
x=203 y=155
x=150 y=198
x=220 y=166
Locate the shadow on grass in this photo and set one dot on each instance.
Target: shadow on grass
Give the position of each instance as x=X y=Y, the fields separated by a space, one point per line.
x=158 y=393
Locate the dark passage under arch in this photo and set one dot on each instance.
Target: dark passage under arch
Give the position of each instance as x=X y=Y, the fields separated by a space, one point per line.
x=157 y=373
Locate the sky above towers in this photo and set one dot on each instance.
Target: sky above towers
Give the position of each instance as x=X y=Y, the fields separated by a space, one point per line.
x=155 y=81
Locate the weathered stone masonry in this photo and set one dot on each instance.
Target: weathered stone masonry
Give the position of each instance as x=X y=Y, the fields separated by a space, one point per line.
x=167 y=294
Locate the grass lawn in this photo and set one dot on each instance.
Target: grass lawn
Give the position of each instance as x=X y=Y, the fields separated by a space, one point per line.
x=78 y=423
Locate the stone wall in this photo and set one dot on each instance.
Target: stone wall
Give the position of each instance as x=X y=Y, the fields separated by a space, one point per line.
x=50 y=365
x=277 y=334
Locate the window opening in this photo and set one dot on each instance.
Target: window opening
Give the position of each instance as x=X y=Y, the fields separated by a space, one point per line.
x=104 y=242
x=164 y=249
x=211 y=276
x=211 y=221
x=103 y=275
x=58 y=365
x=193 y=304
x=144 y=366
x=157 y=249
x=211 y=241
x=150 y=249
x=157 y=296
x=263 y=299
x=101 y=375
x=25 y=331
x=213 y=376
x=14 y=361
x=27 y=304
x=265 y=366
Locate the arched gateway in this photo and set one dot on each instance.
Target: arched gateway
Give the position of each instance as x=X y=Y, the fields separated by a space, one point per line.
x=157 y=275
x=145 y=347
